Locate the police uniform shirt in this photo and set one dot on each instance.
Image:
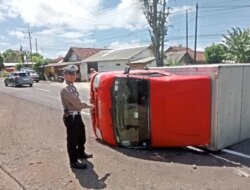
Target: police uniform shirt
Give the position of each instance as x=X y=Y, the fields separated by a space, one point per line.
x=70 y=98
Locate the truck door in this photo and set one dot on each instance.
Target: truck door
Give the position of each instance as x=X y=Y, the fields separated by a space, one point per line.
x=130 y=111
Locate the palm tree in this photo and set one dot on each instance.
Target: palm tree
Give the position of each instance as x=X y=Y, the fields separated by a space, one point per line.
x=237 y=45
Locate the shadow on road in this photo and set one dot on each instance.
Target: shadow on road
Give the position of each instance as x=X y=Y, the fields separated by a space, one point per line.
x=89 y=179
x=184 y=155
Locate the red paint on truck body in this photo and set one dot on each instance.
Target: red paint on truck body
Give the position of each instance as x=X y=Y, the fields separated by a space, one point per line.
x=179 y=108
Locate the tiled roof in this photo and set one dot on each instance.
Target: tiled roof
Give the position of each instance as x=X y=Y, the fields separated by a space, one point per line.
x=200 y=56
x=57 y=60
x=83 y=53
x=118 y=54
x=175 y=56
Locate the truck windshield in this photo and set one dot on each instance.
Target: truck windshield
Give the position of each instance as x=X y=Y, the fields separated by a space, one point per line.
x=130 y=108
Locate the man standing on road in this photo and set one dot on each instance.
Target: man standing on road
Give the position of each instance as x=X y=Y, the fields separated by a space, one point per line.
x=72 y=119
x=92 y=71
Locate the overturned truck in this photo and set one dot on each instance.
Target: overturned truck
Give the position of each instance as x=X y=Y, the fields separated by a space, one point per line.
x=172 y=106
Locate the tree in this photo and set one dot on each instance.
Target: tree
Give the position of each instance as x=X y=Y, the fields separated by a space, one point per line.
x=215 y=53
x=156 y=15
x=1 y=62
x=39 y=63
x=12 y=56
x=19 y=66
x=237 y=45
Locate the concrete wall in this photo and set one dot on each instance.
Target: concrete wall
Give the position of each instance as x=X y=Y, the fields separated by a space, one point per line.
x=73 y=58
x=144 y=54
x=84 y=72
x=116 y=65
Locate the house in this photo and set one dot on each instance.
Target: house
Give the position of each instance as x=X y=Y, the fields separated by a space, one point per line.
x=49 y=69
x=180 y=56
x=10 y=67
x=112 y=60
x=57 y=60
x=74 y=56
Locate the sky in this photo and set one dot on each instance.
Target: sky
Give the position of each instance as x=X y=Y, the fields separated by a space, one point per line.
x=57 y=25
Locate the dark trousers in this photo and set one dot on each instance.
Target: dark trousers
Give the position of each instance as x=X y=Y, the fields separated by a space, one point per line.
x=76 y=136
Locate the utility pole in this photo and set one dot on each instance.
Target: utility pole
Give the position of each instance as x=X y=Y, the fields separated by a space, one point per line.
x=195 y=42
x=22 y=56
x=187 y=31
x=36 y=44
x=29 y=36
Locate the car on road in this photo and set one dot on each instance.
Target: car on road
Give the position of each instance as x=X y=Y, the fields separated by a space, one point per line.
x=18 y=79
x=33 y=74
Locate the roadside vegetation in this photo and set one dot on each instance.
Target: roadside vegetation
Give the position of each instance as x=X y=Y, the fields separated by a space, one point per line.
x=235 y=47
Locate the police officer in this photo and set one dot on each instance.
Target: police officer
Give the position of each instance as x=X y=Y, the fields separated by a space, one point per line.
x=72 y=119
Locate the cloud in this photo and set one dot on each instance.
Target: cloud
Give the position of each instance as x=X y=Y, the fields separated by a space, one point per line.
x=50 y=31
x=60 y=24
x=17 y=34
x=72 y=35
x=3 y=9
x=122 y=45
x=61 y=54
x=123 y=16
x=76 y=15
x=2 y=37
x=3 y=43
x=181 y=10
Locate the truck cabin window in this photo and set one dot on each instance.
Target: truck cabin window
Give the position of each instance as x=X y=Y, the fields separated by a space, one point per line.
x=130 y=108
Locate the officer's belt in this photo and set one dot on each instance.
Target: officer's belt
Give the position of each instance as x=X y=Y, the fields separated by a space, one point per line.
x=73 y=113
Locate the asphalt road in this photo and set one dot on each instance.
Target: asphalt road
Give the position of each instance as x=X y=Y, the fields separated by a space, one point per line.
x=33 y=152
x=44 y=93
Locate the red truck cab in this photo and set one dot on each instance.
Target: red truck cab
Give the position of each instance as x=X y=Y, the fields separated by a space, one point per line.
x=150 y=108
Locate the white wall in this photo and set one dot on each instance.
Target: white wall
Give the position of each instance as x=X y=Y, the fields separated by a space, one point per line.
x=153 y=64
x=144 y=54
x=117 y=65
x=72 y=58
x=83 y=71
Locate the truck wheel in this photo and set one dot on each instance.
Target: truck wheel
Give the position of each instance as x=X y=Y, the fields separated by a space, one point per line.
x=6 y=84
x=31 y=85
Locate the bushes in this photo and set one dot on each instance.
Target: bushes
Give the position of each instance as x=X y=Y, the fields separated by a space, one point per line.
x=3 y=73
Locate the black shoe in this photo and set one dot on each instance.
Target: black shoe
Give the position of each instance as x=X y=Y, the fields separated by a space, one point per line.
x=78 y=165
x=86 y=156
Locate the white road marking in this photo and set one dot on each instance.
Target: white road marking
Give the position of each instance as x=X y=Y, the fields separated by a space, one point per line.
x=43 y=89
x=195 y=149
x=224 y=159
x=236 y=153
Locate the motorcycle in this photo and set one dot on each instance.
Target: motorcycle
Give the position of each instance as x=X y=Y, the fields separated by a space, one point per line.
x=60 y=79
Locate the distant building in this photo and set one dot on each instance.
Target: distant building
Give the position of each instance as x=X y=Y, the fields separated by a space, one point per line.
x=74 y=56
x=57 y=60
x=179 y=56
x=112 y=60
x=12 y=66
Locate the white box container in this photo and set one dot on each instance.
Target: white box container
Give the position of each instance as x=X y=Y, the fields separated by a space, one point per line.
x=230 y=104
